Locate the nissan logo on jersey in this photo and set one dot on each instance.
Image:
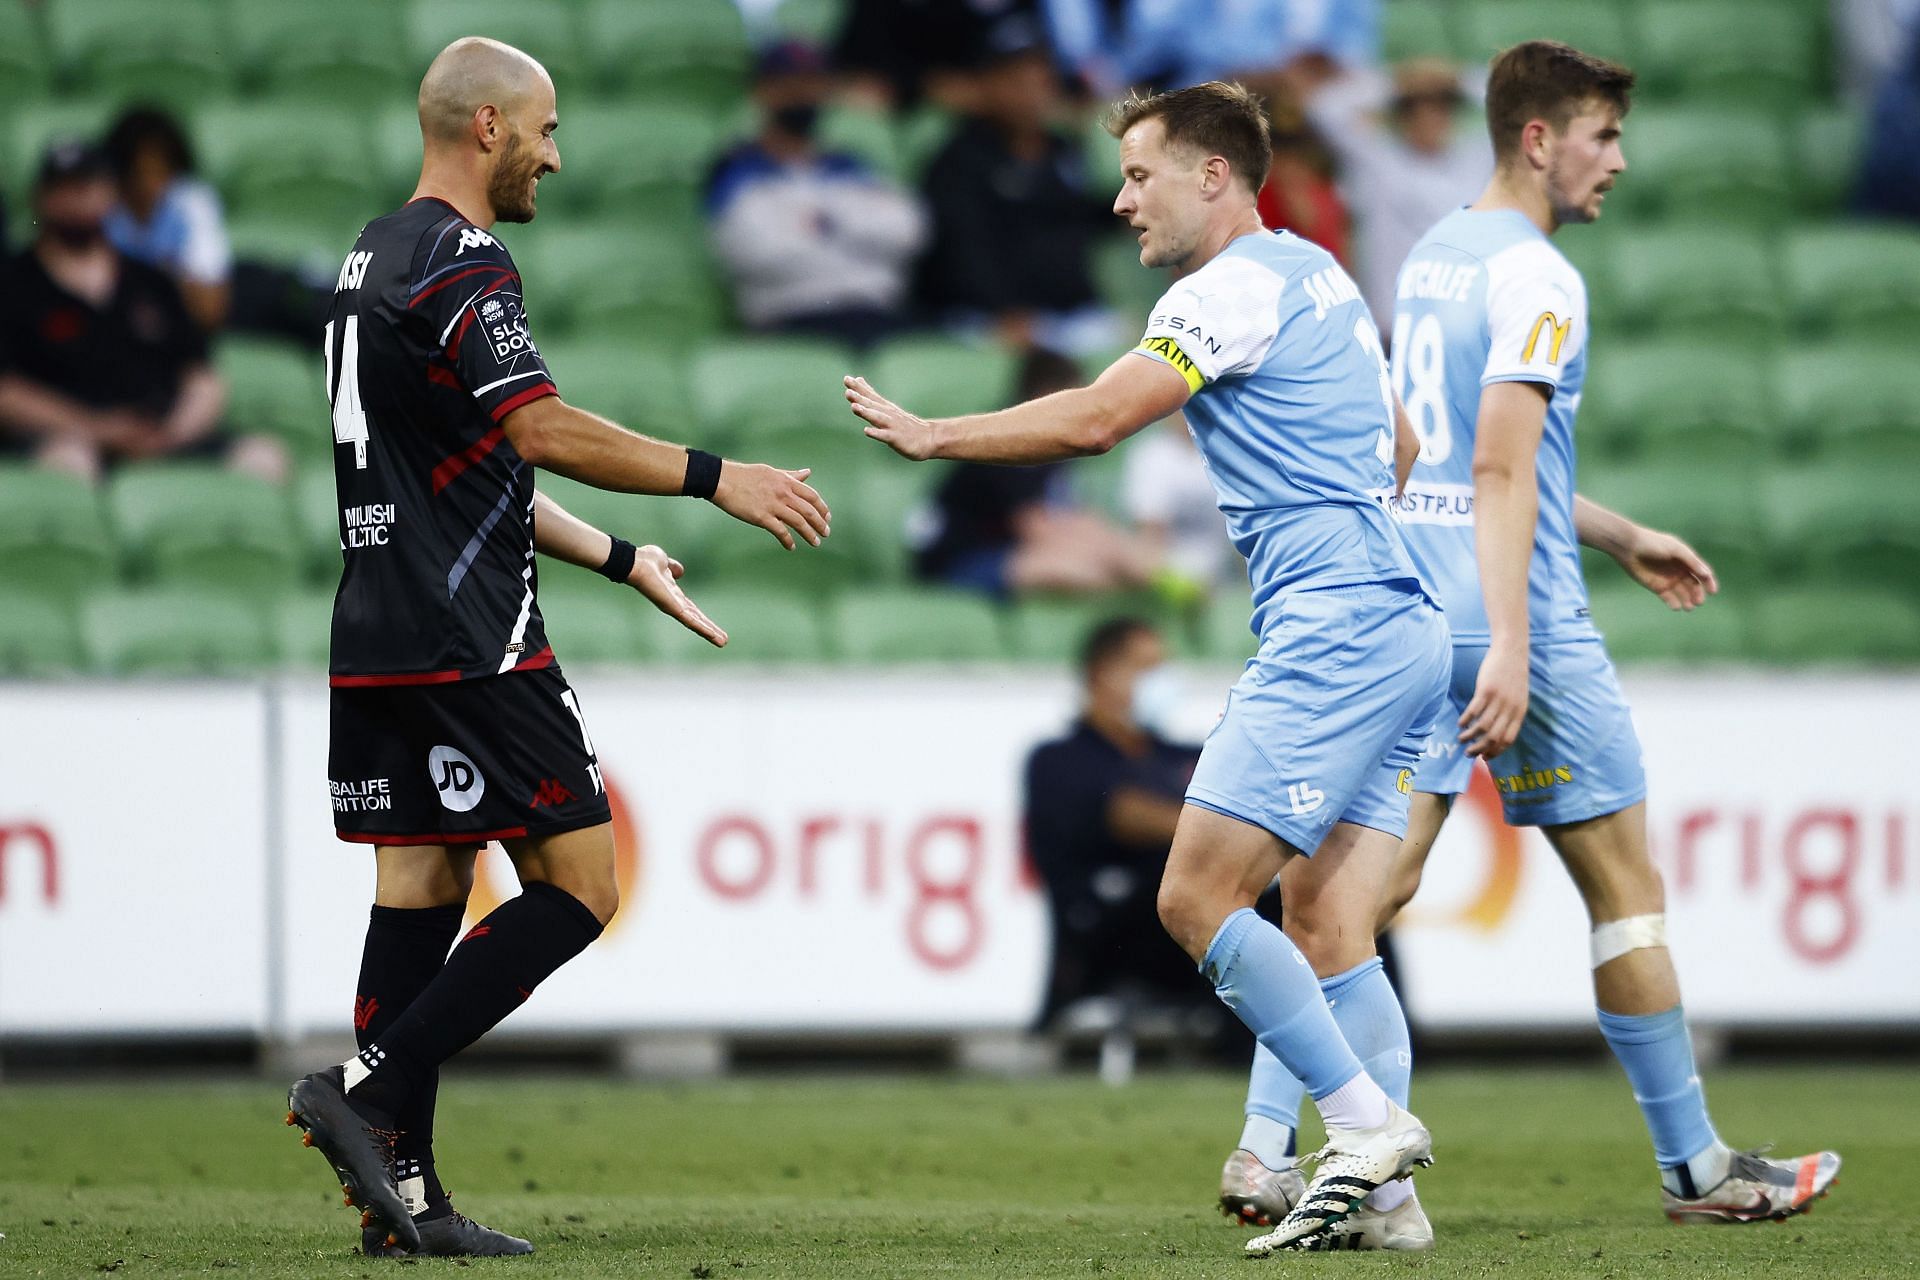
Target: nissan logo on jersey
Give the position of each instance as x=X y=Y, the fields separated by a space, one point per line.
x=456 y=777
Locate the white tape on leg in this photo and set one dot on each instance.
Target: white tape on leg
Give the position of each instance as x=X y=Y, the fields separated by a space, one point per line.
x=1617 y=937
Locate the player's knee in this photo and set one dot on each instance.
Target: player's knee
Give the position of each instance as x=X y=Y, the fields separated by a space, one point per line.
x=1181 y=915
x=1330 y=945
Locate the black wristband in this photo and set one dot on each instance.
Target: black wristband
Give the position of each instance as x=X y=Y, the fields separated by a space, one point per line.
x=703 y=474
x=619 y=565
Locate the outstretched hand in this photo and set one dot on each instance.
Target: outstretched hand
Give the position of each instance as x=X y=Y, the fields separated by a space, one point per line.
x=906 y=434
x=1671 y=569
x=656 y=576
x=781 y=502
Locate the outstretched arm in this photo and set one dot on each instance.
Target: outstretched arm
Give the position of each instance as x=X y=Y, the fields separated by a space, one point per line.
x=554 y=436
x=564 y=536
x=1660 y=562
x=1134 y=391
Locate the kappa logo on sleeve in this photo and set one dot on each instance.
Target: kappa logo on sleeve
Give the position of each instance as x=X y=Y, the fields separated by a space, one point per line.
x=473 y=238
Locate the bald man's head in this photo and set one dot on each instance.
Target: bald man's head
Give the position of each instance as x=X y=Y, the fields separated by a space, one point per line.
x=485 y=101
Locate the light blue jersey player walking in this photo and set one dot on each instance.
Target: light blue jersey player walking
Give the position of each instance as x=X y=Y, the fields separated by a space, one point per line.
x=1490 y=355
x=1264 y=341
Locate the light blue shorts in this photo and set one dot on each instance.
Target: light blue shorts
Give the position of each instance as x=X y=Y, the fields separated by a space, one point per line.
x=1330 y=717
x=1577 y=756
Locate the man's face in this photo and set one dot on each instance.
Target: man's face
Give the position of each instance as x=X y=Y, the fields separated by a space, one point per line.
x=1160 y=194
x=1114 y=681
x=1426 y=121
x=1019 y=90
x=529 y=154
x=1584 y=161
x=792 y=102
x=74 y=211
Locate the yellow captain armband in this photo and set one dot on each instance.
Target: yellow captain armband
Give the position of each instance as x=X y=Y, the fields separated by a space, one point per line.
x=1169 y=350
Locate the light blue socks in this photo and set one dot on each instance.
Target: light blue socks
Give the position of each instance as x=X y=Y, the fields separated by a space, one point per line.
x=1658 y=1057
x=1259 y=974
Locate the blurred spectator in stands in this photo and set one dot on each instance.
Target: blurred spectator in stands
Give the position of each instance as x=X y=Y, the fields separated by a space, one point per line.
x=815 y=242
x=1010 y=531
x=1300 y=195
x=1100 y=809
x=1166 y=493
x=895 y=53
x=1403 y=170
x=167 y=218
x=1115 y=45
x=1014 y=214
x=99 y=359
x=1890 y=168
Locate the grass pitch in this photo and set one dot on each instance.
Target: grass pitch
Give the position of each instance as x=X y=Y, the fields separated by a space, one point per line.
x=1540 y=1173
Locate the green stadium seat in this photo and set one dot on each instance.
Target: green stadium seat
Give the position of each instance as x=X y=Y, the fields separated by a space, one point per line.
x=548 y=32
x=1760 y=53
x=39 y=637
x=908 y=625
x=197 y=524
x=1706 y=164
x=1839 y=624
x=1416 y=28
x=1224 y=632
x=1826 y=156
x=762 y=626
x=1855 y=281
x=895 y=513
x=279 y=388
x=590 y=620
x=1639 y=627
x=645 y=282
x=54 y=540
x=26 y=68
x=178 y=55
x=1488 y=26
x=273 y=158
x=342 y=53
x=737 y=553
x=394 y=136
x=620 y=158
x=943 y=378
x=1847 y=523
x=302 y=629
x=636 y=385
x=755 y=385
x=1123 y=283
x=1684 y=402
x=1054 y=629
x=174 y=632
x=815 y=21
x=684 y=528
x=31 y=127
x=316 y=246
x=316 y=518
x=1716 y=509
x=867 y=135
x=922 y=135
x=1853 y=403
x=695 y=51
x=1695 y=283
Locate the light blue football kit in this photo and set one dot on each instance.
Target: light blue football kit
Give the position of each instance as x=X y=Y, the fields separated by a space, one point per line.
x=1293 y=415
x=1292 y=412
x=1483 y=298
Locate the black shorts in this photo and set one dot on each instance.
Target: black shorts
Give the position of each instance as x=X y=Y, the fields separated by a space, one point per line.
x=463 y=762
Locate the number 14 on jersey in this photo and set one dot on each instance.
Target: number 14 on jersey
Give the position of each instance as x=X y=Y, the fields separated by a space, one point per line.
x=349 y=419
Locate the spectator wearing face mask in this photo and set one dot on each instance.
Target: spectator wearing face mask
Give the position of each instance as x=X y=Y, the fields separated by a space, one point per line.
x=1101 y=804
x=814 y=241
x=100 y=361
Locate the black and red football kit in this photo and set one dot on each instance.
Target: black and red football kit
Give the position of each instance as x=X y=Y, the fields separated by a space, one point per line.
x=451 y=720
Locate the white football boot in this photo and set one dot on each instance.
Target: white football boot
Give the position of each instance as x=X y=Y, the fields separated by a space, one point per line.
x=1757 y=1189
x=1352 y=1164
x=1256 y=1196
x=1403 y=1227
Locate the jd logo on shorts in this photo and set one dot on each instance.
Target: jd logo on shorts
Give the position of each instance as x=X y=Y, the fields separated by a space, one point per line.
x=456 y=778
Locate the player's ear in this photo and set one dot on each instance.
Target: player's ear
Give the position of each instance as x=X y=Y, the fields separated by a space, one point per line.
x=1535 y=142
x=488 y=128
x=1214 y=176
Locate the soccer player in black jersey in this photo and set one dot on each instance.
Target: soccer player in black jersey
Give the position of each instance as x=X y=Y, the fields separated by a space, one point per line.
x=452 y=725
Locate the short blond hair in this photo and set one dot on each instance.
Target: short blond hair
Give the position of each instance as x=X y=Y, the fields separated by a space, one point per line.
x=1216 y=118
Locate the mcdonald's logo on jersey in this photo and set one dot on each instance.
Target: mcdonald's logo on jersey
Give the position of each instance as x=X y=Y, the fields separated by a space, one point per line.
x=1557 y=329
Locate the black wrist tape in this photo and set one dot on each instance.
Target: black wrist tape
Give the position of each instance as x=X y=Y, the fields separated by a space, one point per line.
x=619 y=565
x=703 y=474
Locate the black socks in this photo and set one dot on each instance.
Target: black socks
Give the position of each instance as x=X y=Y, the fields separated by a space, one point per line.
x=489 y=975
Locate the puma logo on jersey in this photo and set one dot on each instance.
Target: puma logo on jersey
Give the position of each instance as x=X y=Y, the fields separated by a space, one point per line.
x=1329 y=289
x=472 y=238
x=353 y=270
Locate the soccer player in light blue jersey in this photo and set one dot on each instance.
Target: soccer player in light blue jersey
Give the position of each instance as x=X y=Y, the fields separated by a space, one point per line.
x=1490 y=355
x=1265 y=343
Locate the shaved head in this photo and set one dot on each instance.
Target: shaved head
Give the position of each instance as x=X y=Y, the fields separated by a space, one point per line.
x=475 y=72
x=487 y=112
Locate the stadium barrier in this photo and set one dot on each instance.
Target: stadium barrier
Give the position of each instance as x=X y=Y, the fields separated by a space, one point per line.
x=840 y=853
